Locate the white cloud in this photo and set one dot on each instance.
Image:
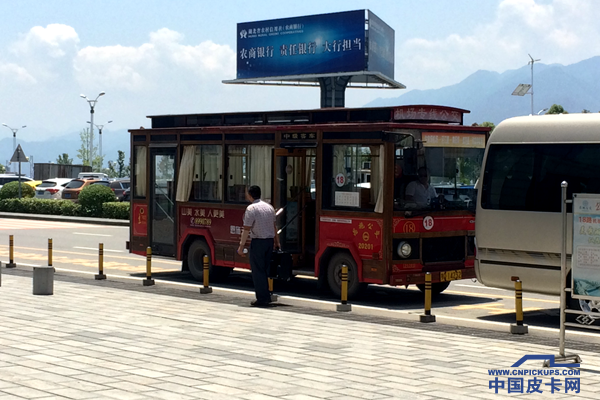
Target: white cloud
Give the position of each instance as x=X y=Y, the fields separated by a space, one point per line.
x=55 y=40
x=560 y=31
x=146 y=67
x=12 y=73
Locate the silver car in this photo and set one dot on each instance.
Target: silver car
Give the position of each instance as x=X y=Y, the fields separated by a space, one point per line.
x=51 y=188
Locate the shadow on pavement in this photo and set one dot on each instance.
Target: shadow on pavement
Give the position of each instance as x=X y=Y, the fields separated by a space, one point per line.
x=393 y=298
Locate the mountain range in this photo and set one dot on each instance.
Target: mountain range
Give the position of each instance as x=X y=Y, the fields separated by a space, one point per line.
x=486 y=94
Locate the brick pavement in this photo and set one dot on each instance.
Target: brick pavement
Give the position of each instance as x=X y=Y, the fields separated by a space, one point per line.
x=118 y=340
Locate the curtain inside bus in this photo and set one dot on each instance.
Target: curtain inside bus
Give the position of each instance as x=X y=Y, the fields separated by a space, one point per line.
x=249 y=165
x=140 y=171
x=186 y=174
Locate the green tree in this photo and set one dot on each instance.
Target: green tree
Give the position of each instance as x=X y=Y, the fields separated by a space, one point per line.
x=84 y=152
x=2 y=169
x=586 y=111
x=122 y=169
x=64 y=159
x=556 y=109
x=489 y=125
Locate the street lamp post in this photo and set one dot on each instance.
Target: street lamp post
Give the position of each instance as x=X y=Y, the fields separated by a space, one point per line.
x=14 y=131
x=532 y=62
x=100 y=141
x=92 y=104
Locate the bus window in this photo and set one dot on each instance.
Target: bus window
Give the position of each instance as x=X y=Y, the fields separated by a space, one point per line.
x=355 y=179
x=139 y=172
x=527 y=177
x=453 y=172
x=207 y=173
x=248 y=165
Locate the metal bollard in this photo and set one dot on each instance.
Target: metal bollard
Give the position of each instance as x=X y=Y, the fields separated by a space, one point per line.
x=49 y=252
x=427 y=317
x=344 y=306
x=274 y=297
x=205 y=276
x=100 y=276
x=148 y=281
x=518 y=328
x=11 y=259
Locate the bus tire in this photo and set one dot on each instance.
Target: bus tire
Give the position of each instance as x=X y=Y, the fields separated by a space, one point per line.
x=195 y=261
x=334 y=275
x=436 y=288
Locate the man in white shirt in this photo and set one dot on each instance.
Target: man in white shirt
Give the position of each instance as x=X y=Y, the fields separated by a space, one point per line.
x=420 y=191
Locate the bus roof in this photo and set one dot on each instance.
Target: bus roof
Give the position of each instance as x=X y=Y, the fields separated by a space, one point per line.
x=401 y=113
x=554 y=128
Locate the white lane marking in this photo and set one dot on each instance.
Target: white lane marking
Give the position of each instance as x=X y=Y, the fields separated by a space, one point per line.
x=90 y=234
x=92 y=248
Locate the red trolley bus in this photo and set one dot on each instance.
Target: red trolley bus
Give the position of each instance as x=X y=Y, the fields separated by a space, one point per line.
x=336 y=177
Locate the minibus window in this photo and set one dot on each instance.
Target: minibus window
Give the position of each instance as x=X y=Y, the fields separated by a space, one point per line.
x=527 y=177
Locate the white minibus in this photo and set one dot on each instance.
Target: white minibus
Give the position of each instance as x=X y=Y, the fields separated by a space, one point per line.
x=518 y=224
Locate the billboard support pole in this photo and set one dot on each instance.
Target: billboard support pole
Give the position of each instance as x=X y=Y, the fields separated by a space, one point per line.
x=333 y=90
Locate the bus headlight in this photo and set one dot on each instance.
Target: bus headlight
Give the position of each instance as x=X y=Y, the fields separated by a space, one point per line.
x=404 y=249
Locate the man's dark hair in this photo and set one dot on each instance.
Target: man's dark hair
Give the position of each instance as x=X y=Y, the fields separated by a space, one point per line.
x=254 y=191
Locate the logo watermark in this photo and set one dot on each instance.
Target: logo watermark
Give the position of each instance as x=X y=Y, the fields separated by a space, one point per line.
x=557 y=378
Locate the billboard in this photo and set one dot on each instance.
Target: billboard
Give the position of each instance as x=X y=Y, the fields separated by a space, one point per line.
x=315 y=44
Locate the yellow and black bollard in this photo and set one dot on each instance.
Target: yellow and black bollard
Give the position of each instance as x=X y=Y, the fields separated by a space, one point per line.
x=148 y=281
x=274 y=297
x=49 y=252
x=427 y=316
x=518 y=328
x=11 y=252
x=344 y=306
x=100 y=276
x=205 y=276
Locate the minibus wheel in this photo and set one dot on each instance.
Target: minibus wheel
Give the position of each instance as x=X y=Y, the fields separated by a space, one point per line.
x=436 y=288
x=195 y=261
x=334 y=275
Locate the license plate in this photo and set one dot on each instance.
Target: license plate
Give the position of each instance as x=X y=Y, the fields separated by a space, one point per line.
x=446 y=276
x=40 y=192
x=67 y=195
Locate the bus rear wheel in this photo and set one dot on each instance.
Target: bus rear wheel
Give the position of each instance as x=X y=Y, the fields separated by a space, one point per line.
x=436 y=288
x=334 y=275
x=195 y=262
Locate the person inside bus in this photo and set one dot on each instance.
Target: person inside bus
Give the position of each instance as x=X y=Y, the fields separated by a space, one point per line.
x=420 y=191
x=259 y=223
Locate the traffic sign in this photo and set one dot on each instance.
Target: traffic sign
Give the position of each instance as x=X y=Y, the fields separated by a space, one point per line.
x=19 y=155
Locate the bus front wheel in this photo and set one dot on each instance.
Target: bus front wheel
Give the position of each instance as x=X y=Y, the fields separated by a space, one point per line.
x=334 y=275
x=195 y=262
x=436 y=288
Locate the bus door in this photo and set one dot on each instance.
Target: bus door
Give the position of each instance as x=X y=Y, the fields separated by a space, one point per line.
x=295 y=193
x=162 y=200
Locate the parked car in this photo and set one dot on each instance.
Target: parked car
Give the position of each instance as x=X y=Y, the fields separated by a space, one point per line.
x=51 y=188
x=103 y=183
x=73 y=188
x=33 y=184
x=119 y=186
x=126 y=195
x=5 y=178
x=93 y=175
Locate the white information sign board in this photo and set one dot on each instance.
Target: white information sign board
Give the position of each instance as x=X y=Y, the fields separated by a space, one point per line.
x=585 y=265
x=347 y=199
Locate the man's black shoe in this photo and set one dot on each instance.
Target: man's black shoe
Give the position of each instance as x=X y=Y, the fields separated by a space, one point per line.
x=257 y=303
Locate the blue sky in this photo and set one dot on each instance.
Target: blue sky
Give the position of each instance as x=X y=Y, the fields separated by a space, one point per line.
x=168 y=57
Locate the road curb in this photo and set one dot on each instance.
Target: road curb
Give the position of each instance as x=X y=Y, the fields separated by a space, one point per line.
x=64 y=218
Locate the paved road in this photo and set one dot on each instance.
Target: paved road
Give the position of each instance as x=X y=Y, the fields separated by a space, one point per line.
x=113 y=340
x=75 y=248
